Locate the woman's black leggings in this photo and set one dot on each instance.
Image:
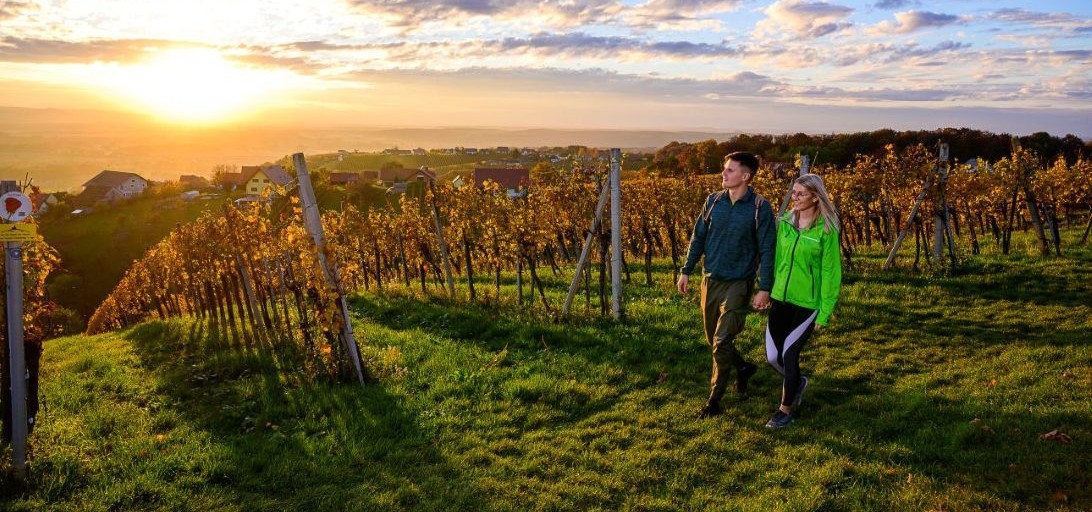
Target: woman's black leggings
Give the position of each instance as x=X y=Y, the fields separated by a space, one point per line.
x=787 y=331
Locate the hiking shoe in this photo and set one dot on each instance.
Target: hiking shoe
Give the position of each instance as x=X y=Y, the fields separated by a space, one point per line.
x=711 y=409
x=779 y=419
x=800 y=392
x=743 y=375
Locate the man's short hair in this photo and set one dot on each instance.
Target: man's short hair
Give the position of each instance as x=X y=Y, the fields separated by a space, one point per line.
x=748 y=160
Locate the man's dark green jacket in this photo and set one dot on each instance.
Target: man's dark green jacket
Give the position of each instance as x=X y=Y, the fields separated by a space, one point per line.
x=737 y=240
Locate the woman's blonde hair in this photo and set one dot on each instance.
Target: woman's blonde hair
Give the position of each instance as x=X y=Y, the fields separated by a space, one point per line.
x=814 y=184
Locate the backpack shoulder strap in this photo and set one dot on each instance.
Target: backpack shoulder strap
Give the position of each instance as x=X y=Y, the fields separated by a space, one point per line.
x=759 y=200
x=707 y=215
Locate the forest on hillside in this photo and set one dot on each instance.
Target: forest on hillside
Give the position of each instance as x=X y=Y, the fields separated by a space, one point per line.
x=842 y=149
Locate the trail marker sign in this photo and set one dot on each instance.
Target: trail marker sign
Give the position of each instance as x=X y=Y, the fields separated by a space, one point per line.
x=21 y=232
x=15 y=206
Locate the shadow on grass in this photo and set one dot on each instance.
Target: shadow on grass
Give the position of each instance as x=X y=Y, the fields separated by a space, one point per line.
x=875 y=419
x=641 y=350
x=972 y=454
x=286 y=444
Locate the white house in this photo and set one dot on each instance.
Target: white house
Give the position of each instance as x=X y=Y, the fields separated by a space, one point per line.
x=113 y=185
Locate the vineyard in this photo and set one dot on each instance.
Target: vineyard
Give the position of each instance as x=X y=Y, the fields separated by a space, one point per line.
x=255 y=267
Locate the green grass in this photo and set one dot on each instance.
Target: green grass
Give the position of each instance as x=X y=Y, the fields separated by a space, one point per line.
x=928 y=393
x=97 y=249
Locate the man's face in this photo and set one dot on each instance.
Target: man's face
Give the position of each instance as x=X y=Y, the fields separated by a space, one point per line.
x=734 y=175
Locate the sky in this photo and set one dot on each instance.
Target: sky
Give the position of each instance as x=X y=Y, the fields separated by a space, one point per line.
x=725 y=66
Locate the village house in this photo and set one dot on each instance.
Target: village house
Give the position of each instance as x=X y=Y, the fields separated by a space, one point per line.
x=344 y=178
x=257 y=179
x=113 y=185
x=42 y=202
x=193 y=181
x=513 y=181
x=230 y=180
x=400 y=175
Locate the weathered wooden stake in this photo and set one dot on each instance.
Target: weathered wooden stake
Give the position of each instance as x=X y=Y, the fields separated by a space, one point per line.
x=313 y=222
x=804 y=166
x=616 y=232
x=443 y=244
x=604 y=193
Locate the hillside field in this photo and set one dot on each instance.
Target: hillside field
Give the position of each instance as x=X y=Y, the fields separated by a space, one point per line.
x=961 y=390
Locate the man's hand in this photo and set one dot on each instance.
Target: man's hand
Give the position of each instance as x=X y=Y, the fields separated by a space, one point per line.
x=818 y=327
x=761 y=300
x=683 y=284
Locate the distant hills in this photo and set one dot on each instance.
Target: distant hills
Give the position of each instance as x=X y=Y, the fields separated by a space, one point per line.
x=61 y=149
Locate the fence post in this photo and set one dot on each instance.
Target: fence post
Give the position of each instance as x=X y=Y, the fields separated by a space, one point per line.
x=616 y=232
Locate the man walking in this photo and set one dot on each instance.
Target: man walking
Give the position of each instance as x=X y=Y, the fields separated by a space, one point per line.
x=736 y=234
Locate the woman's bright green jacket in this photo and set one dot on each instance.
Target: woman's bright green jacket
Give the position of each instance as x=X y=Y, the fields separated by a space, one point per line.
x=807 y=267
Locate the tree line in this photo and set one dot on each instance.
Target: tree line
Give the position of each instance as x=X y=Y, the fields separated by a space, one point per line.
x=842 y=149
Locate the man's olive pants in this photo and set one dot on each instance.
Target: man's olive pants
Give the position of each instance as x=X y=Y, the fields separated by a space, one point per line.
x=724 y=309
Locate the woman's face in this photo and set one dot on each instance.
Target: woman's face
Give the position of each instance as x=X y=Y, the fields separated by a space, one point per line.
x=802 y=198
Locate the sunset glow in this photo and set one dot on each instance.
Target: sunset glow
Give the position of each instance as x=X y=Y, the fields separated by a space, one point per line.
x=188 y=86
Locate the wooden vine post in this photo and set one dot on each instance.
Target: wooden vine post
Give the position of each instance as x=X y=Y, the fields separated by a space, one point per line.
x=934 y=177
x=313 y=222
x=616 y=233
x=604 y=193
x=804 y=166
x=443 y=244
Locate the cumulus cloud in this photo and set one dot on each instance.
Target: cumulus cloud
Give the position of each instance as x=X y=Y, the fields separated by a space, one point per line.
x=906 y=22
x=802 y=19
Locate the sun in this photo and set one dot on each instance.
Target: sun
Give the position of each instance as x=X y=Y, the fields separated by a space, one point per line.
x=192 y=85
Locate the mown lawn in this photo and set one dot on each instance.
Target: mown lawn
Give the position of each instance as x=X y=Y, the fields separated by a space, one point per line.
x=929 y=392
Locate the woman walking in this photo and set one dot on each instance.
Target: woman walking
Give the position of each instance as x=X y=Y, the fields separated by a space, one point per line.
x=807 y=278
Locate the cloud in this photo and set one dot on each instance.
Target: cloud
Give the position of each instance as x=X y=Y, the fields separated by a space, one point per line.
x=584 y=45
x=409 y=14
x=906 y=22
x=677 y=14
x=13 y=8
x=808 y=20
x=1053 y=21
x=894 y=4
x=14 y=49
x=914 y=51
x=533 y=50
